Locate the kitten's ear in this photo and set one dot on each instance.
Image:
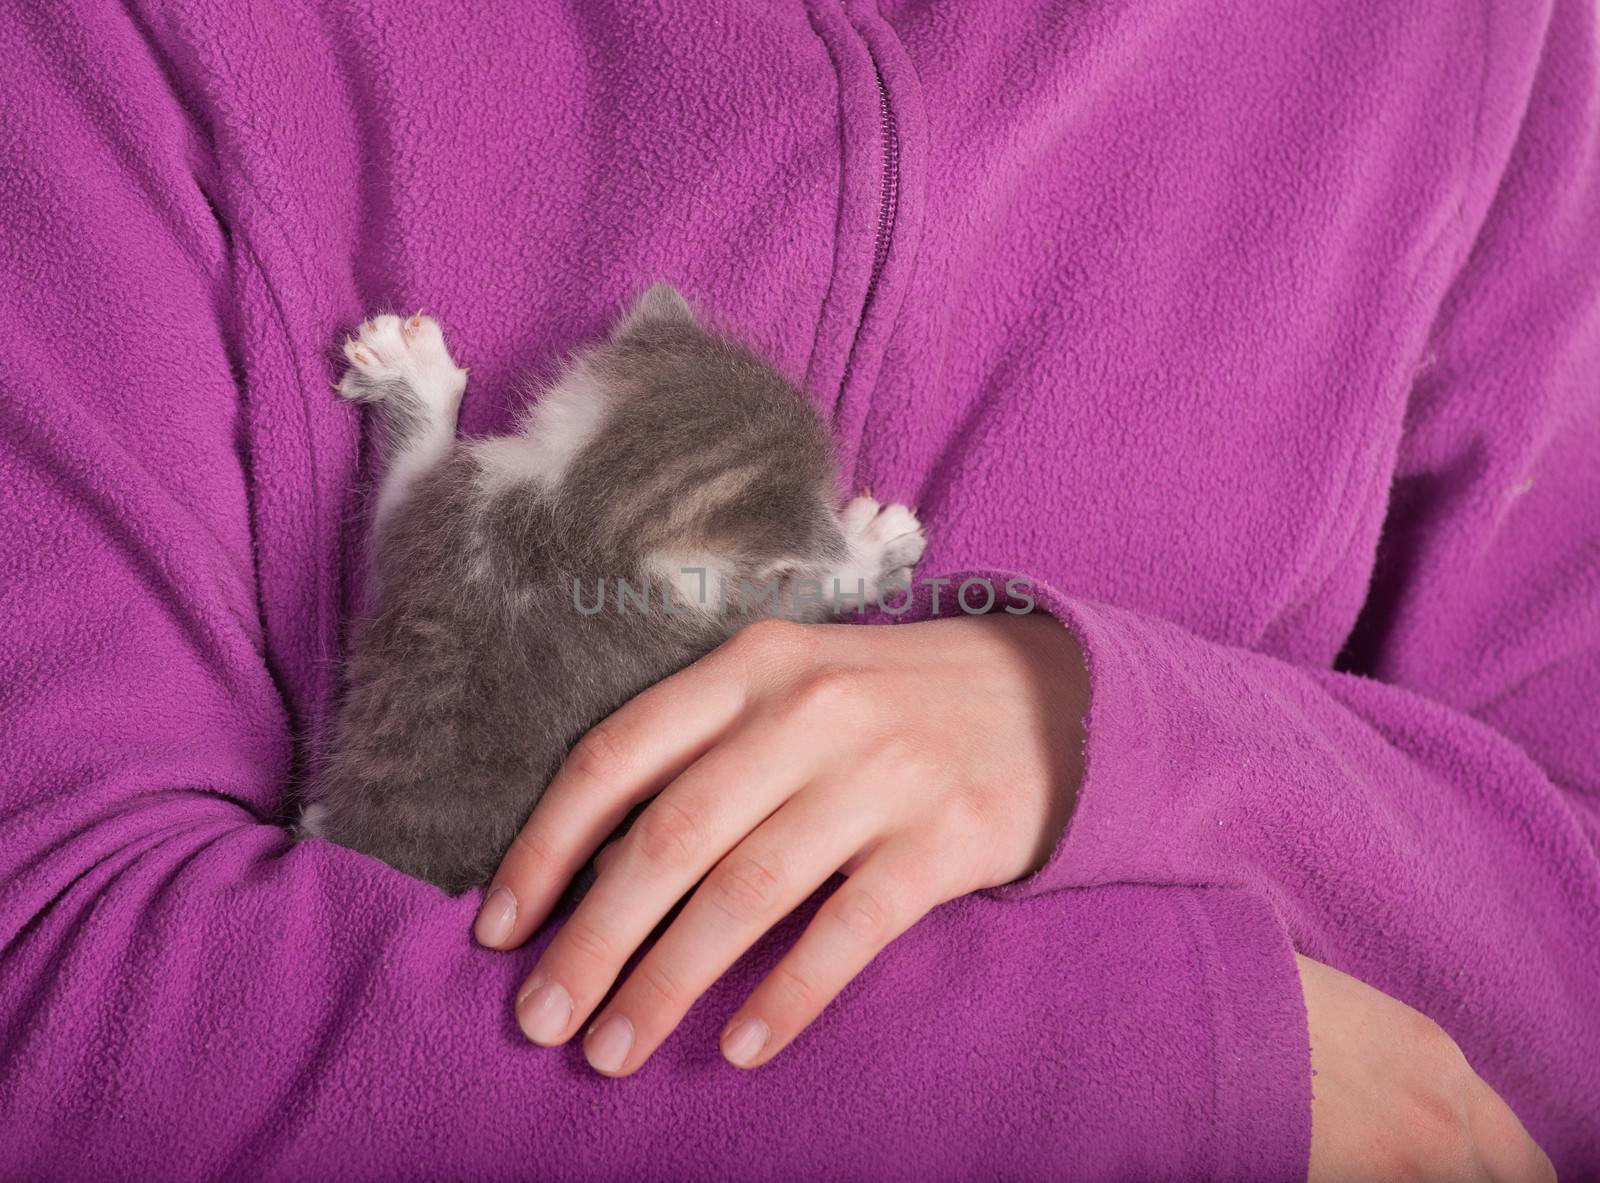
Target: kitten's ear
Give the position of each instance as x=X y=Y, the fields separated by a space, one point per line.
x=658 y=304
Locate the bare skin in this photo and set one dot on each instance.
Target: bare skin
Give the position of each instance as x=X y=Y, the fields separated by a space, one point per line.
x=970 y=732
x=1394 y=1098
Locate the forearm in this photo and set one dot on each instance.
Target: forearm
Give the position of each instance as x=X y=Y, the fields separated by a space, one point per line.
x=1404 y=842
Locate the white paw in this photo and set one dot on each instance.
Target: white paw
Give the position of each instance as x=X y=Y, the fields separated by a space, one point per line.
x=885 y=543
x=887 y=537
x=387 y=352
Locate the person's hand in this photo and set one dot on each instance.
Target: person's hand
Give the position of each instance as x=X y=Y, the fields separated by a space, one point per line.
x=1393 y=1097
x=924 y=761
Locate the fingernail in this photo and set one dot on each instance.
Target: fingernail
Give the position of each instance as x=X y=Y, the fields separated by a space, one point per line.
x=496 y=918
x=609 y=1043
x=744 y=1041
x=544 y=1012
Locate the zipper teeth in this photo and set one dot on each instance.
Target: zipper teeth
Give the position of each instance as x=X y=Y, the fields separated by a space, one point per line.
x=889 y=193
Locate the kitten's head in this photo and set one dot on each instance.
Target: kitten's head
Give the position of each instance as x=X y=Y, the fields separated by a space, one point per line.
x=707 y=452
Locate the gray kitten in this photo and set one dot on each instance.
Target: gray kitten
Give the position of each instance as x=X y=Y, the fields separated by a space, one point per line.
x=504 y=612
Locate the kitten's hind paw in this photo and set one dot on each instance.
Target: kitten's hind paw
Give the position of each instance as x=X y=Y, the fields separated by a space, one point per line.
x=389 y=355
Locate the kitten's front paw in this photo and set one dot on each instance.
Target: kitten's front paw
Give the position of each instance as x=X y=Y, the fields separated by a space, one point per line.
x=388 y=352
x=885 y=540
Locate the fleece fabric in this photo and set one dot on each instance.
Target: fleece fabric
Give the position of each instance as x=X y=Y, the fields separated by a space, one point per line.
x=1265 y=338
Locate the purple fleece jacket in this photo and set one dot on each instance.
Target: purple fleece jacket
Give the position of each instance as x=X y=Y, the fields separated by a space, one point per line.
x=1263 y=336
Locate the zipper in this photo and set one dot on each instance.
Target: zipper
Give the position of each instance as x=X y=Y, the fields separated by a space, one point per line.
x=846 y=372
x=889 y=190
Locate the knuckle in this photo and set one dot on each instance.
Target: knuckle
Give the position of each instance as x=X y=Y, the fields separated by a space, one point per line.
x=534 y=847
x=865 y=916
x=599 y=755
x=961 y=816
x=898 y=752
x=666 y=834
x=1438 y=1143
x=744 y=887
x=1397 y=1166
x=797 y=992
x=828 y=692
x=584 y=939
x=760 y=653
x=660 y=983
x=1432 y=1128
x=1426 y=1131
x=973 y=833
x=771 y=636
x=1432 y=1121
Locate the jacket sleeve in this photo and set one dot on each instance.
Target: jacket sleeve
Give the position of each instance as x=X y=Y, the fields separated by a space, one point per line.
x=1426 y=815
x=185 y=993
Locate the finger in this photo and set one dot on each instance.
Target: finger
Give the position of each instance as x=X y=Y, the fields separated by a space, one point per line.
x=680 y=836
x=894 y=888
x=761 y=881
x=623 y=760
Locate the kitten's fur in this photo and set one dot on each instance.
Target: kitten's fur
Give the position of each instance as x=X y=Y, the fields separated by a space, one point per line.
x=473 y=670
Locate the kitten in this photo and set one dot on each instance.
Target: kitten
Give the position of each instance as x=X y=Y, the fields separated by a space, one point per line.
x=504 y=615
